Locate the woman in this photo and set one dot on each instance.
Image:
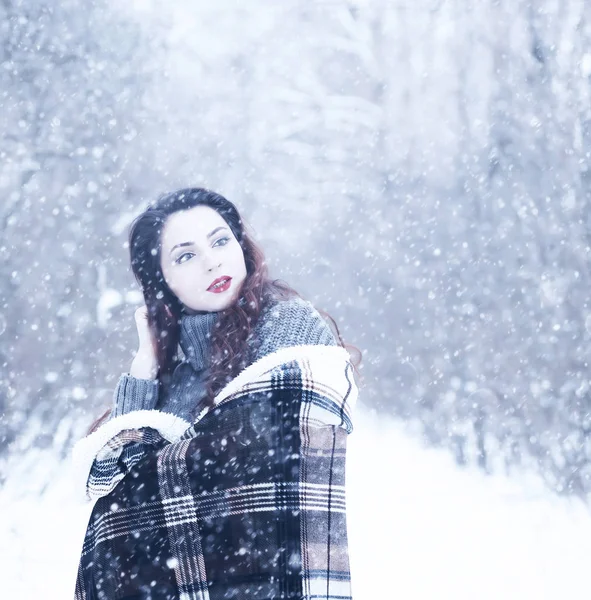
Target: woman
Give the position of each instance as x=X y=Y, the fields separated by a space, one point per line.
x=219 y=472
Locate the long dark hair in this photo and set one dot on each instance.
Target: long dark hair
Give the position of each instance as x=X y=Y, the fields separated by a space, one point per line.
x=232 y=331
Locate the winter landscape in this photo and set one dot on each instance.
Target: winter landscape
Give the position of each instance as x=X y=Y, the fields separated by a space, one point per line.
x=420 y=170
x=419 y=527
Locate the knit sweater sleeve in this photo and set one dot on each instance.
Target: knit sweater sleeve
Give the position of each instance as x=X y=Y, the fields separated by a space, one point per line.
x=136 y=427
x=292 y=322
x=132 y=393
x=180 y=396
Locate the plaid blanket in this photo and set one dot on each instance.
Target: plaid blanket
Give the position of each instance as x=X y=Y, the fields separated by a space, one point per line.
x=248 y=502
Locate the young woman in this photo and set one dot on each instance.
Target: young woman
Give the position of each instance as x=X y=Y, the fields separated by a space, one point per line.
x=219 y=471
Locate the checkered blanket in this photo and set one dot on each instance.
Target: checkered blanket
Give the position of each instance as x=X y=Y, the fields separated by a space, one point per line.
x=248 y=502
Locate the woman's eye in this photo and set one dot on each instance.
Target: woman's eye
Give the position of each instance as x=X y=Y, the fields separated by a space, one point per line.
x=178 y=261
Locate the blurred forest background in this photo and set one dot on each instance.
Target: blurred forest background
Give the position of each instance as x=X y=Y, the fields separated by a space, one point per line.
x=417 y=168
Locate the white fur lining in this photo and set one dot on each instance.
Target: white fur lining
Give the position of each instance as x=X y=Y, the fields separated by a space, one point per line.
x=172 y=427
x=274 y=359
x=85 y=450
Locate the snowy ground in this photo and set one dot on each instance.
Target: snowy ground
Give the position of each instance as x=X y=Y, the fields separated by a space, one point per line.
x=419 y=528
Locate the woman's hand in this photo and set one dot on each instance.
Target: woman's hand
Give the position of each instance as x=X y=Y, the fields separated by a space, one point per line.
x=145 y=363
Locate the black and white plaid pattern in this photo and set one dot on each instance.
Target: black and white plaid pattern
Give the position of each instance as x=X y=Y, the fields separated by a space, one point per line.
x=249 y=502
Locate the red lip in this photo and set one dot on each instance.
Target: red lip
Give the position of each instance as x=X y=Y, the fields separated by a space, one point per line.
x=218 y=280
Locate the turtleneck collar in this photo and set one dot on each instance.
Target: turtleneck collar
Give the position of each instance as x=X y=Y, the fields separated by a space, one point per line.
x=195 y=337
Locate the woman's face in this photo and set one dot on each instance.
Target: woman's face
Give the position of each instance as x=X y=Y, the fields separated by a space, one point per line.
x=198 y=247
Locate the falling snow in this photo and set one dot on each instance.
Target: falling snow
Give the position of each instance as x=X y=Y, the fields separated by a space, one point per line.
x=419 y=170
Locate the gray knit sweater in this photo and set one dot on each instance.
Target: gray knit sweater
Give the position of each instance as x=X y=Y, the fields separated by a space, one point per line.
x=283 y=323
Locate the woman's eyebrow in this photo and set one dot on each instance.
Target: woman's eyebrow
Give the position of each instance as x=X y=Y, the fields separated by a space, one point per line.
x=212 y=233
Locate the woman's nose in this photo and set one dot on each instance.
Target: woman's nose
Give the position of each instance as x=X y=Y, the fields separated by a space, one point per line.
x=213 y=264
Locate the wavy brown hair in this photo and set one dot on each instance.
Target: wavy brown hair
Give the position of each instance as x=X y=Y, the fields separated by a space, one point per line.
x=233 y=330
